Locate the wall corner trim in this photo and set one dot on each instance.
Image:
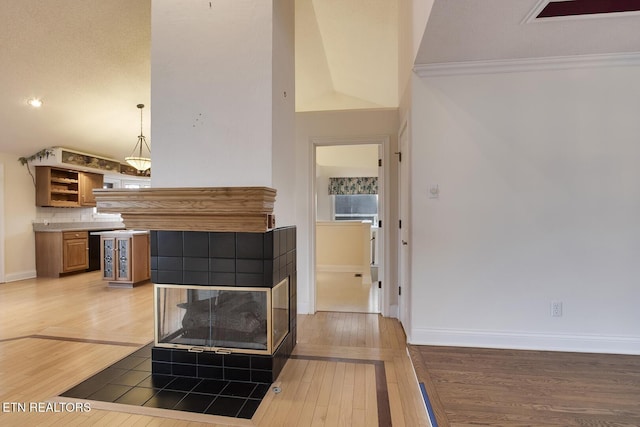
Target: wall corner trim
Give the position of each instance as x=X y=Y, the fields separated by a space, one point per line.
x=527 y=64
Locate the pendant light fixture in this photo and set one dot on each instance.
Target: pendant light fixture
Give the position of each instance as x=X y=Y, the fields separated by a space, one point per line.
x=137 y=160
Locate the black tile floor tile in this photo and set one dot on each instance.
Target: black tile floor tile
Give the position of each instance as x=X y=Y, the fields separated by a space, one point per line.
x=260 y=391
x=183 y=384
x=249 y=409
x=84 y=389
x=238 y=389
x=129 y=362
x=130 y=378
x=210 y=386
x=108 y=374
x=137 y=396
x=136 y=385
x=156 y=381
x=226 y=406
x=195 y=402
x=143 y=366
x=109 y=393
x=165 y=399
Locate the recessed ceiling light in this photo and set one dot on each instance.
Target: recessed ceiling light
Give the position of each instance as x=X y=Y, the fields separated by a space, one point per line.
x=35 y=102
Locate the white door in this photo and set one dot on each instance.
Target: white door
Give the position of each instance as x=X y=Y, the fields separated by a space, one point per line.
x=404 y=279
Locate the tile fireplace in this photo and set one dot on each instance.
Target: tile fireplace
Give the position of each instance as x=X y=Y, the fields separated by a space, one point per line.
x=225 y=284
x=225 y=303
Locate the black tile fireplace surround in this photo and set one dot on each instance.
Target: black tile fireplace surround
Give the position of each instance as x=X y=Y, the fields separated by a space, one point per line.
x=234 y=259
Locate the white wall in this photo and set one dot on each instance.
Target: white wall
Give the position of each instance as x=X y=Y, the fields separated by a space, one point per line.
x=539 y=201
x=19 y=212
x=353 y=123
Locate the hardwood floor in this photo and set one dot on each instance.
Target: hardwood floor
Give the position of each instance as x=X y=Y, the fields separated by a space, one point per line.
x=348 y=369
x=339 y=291
x=472 y=386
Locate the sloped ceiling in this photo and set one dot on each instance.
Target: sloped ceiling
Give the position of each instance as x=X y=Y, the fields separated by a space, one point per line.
x=346 y=54
x=490 y=30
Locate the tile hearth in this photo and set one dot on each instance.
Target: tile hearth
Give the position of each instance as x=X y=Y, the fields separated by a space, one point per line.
x=130 y=382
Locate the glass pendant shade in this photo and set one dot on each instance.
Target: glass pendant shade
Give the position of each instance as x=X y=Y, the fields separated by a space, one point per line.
x=137 y=159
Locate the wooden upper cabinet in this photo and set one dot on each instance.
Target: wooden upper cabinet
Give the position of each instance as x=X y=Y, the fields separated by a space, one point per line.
x=89 y=181
x=56 y=187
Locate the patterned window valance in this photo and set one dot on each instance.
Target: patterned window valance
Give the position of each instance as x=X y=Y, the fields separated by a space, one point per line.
x=358 y=185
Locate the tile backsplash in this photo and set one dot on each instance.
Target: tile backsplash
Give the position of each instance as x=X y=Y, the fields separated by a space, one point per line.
x=66 y=215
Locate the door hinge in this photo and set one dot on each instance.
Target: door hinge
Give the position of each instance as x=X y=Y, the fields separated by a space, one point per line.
x=399 y=223
x=399 y=155
x=379 y=163
x=399 y=290
x=380 y=224
x=379 y=284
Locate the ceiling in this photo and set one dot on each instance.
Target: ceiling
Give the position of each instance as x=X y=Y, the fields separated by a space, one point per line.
x=89 y=62
x=472 y=30
x=89 y=59
x=346 y=54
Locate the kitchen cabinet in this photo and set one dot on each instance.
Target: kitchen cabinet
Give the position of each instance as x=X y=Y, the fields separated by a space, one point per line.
x=125 y=257
x=61 y=252
x=88 y=181
x=56 y=187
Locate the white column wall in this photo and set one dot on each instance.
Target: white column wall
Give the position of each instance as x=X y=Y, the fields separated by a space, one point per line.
x=211 y=93
x=284 y=118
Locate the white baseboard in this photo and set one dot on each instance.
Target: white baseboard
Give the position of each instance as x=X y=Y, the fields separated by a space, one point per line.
x=527 y=341
x=303 y=308
x=23 y=275
x=393 y=311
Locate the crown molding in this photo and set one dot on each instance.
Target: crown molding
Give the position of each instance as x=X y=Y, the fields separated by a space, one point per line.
x=527 y=64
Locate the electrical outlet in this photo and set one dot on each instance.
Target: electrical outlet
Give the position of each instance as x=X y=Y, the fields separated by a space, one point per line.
x=556 y=308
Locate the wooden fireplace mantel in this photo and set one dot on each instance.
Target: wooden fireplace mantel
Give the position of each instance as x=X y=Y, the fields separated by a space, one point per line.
x=232 y=209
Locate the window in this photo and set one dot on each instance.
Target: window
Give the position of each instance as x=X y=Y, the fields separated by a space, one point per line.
x=355 y=207
x=354 y=198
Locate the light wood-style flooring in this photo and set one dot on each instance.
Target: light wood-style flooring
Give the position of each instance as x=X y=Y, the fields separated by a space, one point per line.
x=473 y=386
x=347 y=369
x=340 y=291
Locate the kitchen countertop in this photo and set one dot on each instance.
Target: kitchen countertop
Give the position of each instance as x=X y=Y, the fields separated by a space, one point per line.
x=116 y=233
x=56 y=227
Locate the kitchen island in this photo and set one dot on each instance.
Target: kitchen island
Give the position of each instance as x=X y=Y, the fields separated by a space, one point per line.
x=124 y=257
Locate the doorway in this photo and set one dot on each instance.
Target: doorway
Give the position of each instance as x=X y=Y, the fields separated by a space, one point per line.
x=348 y=207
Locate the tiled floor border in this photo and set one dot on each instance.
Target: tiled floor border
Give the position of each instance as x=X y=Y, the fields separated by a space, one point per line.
x=382 y=393
x=71 y=339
